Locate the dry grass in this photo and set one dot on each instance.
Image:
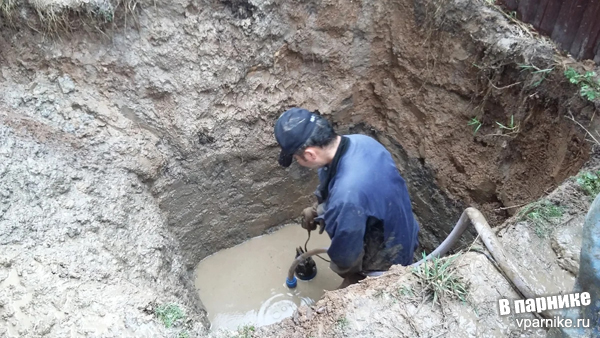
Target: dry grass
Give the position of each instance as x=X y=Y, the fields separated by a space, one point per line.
x=57 y=17
x=7 y=11
x=53 y=17
x=7 y=6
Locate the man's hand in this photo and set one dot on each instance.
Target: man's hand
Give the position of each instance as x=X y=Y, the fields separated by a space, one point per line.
x=308 y=218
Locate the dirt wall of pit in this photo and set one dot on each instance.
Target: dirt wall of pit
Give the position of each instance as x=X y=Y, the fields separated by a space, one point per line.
x=411 y=76
x=204 y=82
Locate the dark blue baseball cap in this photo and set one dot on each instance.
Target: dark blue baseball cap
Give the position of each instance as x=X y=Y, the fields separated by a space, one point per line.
x=292 y=130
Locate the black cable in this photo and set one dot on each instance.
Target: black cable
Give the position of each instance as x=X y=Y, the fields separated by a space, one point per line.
x=305 y=249
x=497 y=266
x=305 y=243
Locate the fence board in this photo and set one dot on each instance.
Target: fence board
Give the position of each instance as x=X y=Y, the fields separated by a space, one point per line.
x=549 y=16
x=511 y=4
x=573 y=24
x=528 y=9
x=539 y=13
x=588 y=32
x=567 y=22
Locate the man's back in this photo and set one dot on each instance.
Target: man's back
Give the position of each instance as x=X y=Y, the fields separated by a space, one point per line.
x=368 y=203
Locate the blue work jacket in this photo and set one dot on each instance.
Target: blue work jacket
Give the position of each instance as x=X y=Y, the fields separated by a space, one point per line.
x=368 y=213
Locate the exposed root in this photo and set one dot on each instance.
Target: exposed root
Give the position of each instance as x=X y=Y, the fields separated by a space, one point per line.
x=524 y=28
x=53 y=18
x=129 y=9
x=56 y=17
x=433 y=19
x=572 y=118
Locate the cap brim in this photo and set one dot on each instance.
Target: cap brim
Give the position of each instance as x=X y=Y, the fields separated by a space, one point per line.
x=285 y=160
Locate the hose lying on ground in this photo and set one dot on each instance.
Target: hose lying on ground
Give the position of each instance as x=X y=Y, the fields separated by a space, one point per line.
x=505 y=262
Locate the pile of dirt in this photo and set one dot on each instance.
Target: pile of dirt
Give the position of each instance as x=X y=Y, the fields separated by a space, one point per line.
x=84 y=247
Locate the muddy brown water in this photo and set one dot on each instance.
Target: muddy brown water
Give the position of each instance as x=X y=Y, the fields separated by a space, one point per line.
x=245 y=285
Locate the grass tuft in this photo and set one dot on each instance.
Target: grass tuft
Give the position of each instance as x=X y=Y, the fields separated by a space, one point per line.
x=589 y=182
x=406 y=291
x=509 y=129
x=170 y=314
x=246 y=331
x=542 y=215
x=342 y=323
x=541 y=74
x=438 y=278
x=476 y=124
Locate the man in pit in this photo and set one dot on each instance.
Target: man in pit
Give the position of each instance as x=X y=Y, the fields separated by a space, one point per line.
x=362 y=201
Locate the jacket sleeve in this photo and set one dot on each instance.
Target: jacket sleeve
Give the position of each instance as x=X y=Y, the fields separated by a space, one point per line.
x=345 y=223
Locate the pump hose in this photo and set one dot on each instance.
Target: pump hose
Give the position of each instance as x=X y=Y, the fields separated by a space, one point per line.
x=504 y=260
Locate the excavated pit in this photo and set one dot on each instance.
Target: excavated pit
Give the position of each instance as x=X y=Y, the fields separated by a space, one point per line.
x=153 y=149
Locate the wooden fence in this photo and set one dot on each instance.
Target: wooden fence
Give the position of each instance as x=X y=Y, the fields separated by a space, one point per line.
x=573 y=24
